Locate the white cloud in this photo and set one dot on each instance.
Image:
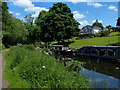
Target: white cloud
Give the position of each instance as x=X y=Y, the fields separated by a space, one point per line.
x=35 y=9
x=23 y=3
x=95 y=4
x=76 y=1
x=29 y=7
x=83 y=23
x=35 y=15
x=78 y=15
x=17 y=14
x=100 y=21
x=111 y=7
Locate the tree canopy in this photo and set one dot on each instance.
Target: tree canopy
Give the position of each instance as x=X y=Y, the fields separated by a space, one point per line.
x=14 y=30
x=57 y=24
x=118 y=22
x=98 y=24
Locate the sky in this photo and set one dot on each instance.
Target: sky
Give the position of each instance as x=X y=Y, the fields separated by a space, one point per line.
x=84 y=12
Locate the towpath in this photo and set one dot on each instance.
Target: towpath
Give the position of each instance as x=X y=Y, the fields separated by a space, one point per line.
x=3 y=82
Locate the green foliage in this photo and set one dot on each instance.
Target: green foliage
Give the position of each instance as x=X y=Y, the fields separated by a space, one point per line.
x=57 y=24
x=98 y=24
x=114 y=34
x=74 y=65
x=114 y=44
x=14 y=30
x=32 y=30
x=118 y=22
x=30 y=68
x=1 y=46
x=104 y=33
x=29 y=19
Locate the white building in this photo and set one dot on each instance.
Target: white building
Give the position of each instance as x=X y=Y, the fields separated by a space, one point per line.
x=91 y=29
x=96 y=30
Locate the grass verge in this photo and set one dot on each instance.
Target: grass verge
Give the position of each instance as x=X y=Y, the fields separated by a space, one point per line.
x=30 y=68
x=99 y=41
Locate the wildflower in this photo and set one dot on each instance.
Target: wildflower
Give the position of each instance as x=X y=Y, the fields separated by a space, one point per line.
x=43 y=67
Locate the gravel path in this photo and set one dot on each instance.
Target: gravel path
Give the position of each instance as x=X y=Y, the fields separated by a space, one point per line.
x=3 y=82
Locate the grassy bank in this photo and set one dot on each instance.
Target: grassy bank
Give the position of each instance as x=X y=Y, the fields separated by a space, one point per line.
x=99 y=41
x=30 y=68
x=111 y=40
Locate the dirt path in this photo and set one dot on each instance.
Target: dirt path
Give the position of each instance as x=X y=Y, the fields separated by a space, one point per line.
x=3 y=82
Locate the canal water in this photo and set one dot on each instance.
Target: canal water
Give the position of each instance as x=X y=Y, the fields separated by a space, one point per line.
x=102 y=73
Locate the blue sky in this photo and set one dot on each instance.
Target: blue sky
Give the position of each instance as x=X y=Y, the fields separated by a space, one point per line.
x=84 y=12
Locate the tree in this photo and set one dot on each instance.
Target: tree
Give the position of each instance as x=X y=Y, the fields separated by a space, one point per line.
x=33 y=31
x=29 y=19
x=57 y=24
x=109 y=27
x=5 y=16
x=98 y=24
x=14 y=30
x=118 y=22
x=16 y=33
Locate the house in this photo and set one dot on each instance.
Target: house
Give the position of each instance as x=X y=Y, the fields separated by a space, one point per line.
x=91 y=29
x=96 y=30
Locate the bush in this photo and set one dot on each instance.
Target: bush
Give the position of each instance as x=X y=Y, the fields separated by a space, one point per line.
x=30 y=68
x=114 y=44
x=104 y=33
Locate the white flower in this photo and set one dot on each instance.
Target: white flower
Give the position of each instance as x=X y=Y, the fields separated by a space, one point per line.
x=43 y=67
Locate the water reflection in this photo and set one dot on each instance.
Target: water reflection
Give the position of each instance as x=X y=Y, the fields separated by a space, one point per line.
x=104 y=74
x=110 y=69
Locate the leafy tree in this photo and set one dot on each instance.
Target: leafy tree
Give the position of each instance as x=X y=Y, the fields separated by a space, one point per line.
x=57 y=24
x=98 y=24
x=43 y=22
x=14 y=30
x=109 y=27
x=33 y=31
x=29 y=19
x=16 y=34
x=118 y=22
x=5 y=16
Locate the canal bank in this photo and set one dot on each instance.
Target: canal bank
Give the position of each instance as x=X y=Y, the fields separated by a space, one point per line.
x=104 y=74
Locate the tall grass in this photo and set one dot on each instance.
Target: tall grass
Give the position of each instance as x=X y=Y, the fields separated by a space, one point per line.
x=30 y=68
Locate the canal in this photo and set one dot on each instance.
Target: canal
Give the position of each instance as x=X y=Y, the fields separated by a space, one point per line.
x=104 y=74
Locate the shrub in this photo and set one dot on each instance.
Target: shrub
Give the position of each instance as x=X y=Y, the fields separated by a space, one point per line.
x=114 y=44
x=104 y=33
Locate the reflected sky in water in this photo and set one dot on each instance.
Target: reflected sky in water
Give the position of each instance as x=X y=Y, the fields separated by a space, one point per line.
x=100 y=80
x=103 y=74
